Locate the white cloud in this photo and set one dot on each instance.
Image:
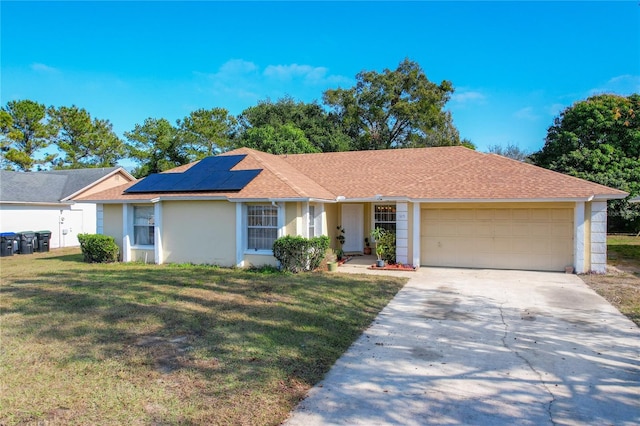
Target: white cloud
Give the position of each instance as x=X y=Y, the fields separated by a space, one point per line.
x=307 y=73
x=237 y=66
x=468 y=96
x=526 y=113
x=44 y=68
x=621 y=85
x=247 y=82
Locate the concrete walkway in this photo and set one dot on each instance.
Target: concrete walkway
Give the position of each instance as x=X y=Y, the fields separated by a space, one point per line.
x=481 y=347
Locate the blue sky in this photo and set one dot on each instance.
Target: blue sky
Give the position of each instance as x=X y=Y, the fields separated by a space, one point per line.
x=515 y=65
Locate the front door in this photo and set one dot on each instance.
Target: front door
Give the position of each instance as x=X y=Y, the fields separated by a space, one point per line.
x=353 y=225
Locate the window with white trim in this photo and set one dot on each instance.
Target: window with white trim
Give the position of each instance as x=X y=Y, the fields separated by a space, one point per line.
x=262 y=226
x=312 y=221
x=384 y=216
x=143 y=225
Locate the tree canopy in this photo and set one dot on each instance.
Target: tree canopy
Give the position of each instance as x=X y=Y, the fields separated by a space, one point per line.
x=25 y=131
x=397 y=108
x=598 y=139
x=85 y=142
x=394 y=109
x=206 y=132
x=156 y=146
x=512 y=151
x=310 y=118
x=284 y=139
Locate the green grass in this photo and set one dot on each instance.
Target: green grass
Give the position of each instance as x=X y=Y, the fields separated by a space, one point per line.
x=623 y=248
x=174 y=344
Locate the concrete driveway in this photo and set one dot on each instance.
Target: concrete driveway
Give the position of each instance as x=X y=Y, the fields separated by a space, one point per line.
x=484 y=347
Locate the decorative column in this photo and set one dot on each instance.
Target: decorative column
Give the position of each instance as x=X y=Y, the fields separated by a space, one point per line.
x=599 y=237
x=578 y=238
x=402 y=232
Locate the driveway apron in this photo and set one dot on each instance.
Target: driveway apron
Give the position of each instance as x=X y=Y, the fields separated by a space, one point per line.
x=486 y=347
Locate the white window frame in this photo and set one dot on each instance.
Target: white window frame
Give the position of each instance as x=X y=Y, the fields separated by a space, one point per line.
x=246 y=227
x=373 y=215
x=133 y=227
x=311 y=222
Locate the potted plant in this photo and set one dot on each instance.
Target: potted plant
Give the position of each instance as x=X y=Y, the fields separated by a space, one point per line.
x=367 y=247
x=377 y=235
x=340 y=238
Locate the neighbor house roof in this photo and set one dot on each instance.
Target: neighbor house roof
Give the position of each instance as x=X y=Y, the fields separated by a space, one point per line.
x=635 y=200
x=438 y=174
x=56 y=186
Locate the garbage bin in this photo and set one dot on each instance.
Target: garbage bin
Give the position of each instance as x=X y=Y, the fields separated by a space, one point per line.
x=43 y=238
x=6 y=243
x=25 y=240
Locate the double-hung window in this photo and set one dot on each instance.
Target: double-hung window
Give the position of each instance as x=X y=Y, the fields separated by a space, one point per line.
x=143 y=225
x=384 y=216
x=312 y=221
x=262 y=226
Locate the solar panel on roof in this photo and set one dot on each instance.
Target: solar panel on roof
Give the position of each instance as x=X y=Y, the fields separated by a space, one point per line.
x=209 y=174
x=240 y=179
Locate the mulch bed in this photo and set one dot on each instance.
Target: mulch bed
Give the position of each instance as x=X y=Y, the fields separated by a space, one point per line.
x=394 y=267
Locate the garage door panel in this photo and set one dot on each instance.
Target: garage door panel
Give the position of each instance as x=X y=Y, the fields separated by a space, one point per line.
x=561 y=230
x=562 y=215
x=516 y=238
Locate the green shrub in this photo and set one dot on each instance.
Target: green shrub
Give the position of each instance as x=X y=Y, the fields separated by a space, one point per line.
x=388 y=243
x=98 y=248
x=297 y=254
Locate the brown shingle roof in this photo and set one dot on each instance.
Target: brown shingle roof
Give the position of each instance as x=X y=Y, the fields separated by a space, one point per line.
x=443 y=173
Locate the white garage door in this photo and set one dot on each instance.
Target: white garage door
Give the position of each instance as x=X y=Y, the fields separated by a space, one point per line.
x=504 y=238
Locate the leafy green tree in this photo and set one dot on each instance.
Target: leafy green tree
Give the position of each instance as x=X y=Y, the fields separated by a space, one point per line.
x=310 y=118
x=156 y=146
x=25 y=133
x=285 y=139
x=85 y=142
x=512 y=151
x=393 y=109
x=206 y=132
x=598 y=139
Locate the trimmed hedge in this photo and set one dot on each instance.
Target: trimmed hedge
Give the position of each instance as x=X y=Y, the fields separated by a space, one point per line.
x=298 y=254
x=98 y=248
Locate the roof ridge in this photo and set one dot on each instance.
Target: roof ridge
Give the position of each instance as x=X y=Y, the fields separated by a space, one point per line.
x=258 y=156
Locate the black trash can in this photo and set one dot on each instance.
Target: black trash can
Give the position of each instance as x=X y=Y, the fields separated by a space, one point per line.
x=25 y=241
x=6 y=243
x=43 y=238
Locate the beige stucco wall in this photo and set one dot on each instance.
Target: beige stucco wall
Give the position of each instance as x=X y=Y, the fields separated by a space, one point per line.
x=112 y=223
x=111 y=182
x=332 y=212
x=201 y=232
x=293 y=218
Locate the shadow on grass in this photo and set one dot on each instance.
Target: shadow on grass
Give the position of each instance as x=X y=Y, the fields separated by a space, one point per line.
x=75 y=258
x=237 y=330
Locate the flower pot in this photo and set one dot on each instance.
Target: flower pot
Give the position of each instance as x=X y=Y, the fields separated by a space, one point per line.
x=332 y=266
x=380 y=263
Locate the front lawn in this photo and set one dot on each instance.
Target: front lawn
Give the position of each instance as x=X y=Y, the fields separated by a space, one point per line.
x=174 y=344
x=621 y=285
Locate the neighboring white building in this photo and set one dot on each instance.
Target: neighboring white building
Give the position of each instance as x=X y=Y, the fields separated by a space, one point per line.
x=39 y=201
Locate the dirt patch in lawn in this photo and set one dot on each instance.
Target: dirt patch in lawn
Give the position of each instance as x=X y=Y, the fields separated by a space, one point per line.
x=620 y=288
